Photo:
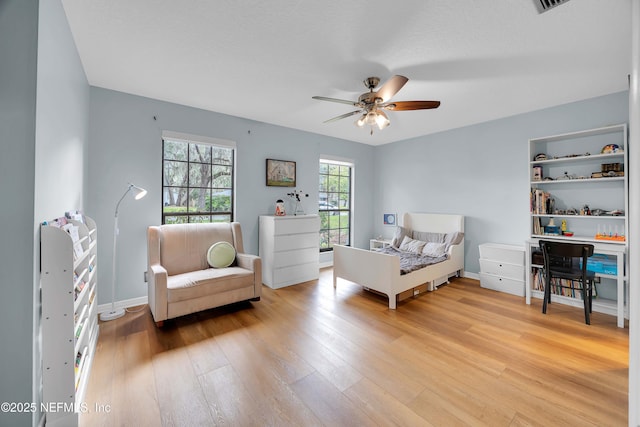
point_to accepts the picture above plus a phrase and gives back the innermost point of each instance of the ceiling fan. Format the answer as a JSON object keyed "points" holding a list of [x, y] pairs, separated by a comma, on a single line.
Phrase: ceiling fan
{"points": [[372, 104]]}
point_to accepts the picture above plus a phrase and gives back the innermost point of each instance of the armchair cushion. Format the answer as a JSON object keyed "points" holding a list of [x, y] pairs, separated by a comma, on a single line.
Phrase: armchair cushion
{"points": [[206, 282]]}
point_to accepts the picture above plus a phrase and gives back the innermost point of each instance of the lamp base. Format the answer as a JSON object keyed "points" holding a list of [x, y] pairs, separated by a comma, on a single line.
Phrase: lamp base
{"points": [[112, 315]]}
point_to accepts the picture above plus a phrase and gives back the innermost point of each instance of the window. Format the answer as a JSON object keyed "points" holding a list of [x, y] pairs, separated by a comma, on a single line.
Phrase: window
{"points": [[334, 204], [197, 180]]}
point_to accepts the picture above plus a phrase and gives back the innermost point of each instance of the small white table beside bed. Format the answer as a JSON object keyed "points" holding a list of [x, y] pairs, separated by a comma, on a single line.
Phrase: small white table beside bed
{"points": [[381, 272]]}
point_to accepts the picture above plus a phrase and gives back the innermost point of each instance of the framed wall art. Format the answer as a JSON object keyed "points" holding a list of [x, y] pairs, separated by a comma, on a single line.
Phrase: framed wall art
{"points": [[390, 219], [281, 173]]}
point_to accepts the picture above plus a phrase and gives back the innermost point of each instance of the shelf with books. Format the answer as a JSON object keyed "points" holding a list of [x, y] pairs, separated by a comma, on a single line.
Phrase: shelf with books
{"points": [[70, 328], [579, 193], [601, 303], [565, 190]]}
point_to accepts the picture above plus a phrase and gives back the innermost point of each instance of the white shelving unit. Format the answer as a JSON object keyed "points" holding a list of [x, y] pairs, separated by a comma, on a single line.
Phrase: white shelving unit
{"points": [[69, 316], [577, 155], [570, 177]]}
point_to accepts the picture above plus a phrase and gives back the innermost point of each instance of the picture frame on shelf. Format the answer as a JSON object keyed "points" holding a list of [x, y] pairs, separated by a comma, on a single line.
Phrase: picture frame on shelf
{"points": [[280, 173]]}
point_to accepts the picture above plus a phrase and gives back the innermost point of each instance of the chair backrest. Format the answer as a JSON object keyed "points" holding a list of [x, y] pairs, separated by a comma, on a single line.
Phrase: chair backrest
{"points": [[181, 248], [563, 256]]}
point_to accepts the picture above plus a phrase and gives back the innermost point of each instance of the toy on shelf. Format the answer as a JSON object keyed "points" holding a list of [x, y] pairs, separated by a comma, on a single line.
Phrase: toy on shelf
{"points": [[610, 235], [615, 237], [552, 228], [564, 230]]}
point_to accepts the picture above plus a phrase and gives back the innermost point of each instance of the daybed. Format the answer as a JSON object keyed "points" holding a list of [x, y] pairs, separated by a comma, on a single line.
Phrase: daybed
{"points": [[380, 272], [180, 278]]}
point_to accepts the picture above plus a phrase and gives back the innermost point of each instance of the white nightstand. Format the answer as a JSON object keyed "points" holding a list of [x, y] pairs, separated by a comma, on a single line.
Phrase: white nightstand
{"points": [[502, 268], [378, 244]]}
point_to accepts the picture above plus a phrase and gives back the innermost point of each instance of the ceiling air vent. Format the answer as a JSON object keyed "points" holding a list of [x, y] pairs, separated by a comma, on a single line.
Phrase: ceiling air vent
{"points": [[545, 5]]}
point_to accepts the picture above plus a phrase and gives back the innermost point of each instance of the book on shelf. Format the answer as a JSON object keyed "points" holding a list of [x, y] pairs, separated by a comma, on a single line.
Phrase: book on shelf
{"points": [[74, 232], [78, 359], [537, 226], [75, 215], [81, 357], [79, 328], [57, 222], [79, 286], [562, 287], [541, 201]]}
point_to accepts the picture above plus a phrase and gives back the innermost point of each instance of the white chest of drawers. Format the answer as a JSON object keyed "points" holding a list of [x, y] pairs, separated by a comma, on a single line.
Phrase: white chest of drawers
{"points": [[289, 248], [502, 268]]}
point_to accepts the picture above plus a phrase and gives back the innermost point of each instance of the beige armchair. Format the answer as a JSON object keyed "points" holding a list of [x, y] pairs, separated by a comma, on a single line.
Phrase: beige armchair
{"points": [[180, 279]]}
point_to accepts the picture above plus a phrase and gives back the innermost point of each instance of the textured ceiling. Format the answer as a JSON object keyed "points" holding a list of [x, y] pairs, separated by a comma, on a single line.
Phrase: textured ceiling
{"points": [[264, 60]]}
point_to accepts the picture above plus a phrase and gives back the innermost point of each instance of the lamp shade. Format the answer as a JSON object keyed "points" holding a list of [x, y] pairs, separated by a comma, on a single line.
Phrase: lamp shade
{"points": [[138, 192]]}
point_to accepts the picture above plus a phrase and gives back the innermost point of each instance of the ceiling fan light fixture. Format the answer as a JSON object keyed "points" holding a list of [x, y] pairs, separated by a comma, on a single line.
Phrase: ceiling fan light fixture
{"points": [[382, 120], [371, 118], [361, 121]]}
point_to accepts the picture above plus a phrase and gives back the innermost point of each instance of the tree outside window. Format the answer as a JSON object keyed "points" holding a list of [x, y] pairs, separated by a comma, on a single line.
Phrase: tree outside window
{"points": [[334, 204], [197, 182]]}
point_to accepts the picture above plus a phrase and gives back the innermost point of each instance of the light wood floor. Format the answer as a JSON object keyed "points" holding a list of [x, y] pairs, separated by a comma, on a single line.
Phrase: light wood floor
{"points": [[306, 355]]}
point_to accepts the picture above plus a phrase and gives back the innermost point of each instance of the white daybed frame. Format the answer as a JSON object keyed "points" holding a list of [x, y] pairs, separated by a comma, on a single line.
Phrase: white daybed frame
{"points": [[381, 272]]}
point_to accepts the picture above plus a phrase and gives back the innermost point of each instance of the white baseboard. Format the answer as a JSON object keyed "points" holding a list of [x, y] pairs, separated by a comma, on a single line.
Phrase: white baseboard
{"points": [[326, 264], [102, 308], [471, 275]]}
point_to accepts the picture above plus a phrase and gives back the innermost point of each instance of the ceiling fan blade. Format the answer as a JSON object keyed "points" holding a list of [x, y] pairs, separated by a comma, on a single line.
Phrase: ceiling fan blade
{"points": [[343, 116], [391, 87], [341, 101], [410, 105]]}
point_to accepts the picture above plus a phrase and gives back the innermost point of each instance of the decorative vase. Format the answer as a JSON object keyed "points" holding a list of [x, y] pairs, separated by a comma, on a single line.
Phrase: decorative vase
{"points": [[280, 208]]}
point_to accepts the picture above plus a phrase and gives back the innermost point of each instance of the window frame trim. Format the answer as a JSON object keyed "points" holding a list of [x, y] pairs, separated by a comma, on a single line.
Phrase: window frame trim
{"points": [[200, 140], [341, 161]]}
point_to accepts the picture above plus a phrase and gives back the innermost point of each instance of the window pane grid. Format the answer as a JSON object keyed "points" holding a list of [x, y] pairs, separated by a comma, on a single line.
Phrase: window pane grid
{"points": [[334, 196], [197, 183]]}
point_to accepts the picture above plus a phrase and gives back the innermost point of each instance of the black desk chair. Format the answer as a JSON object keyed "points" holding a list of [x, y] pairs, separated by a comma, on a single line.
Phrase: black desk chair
{"points": [[562, 261]]}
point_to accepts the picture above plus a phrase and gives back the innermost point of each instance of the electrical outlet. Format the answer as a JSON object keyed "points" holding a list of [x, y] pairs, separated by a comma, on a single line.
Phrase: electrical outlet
{"points": [[145, 277], [416, 292]]}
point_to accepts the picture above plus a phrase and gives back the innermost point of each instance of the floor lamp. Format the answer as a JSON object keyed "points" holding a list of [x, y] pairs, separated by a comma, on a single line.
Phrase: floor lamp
{"points": [[138, 193]]}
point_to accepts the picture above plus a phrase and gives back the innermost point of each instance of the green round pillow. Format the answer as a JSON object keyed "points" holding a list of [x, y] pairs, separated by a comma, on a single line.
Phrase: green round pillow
{"points": [[221, 254]]}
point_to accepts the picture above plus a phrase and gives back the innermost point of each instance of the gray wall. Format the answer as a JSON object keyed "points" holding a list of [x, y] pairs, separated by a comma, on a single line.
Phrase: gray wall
{"points": [[480, 171], [18, 50], [43, 131], [62, 128], [126, 146], [62, 117]]}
